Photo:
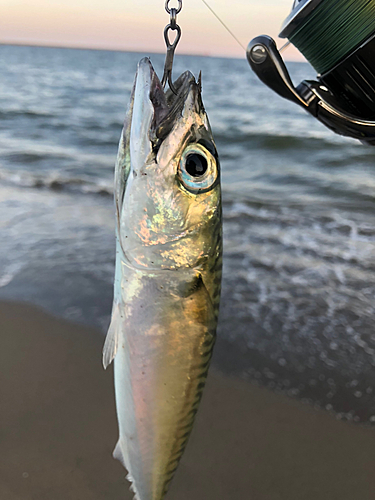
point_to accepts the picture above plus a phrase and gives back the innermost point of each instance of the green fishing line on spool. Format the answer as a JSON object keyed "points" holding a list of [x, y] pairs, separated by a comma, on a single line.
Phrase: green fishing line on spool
{"points": [[333, 30]]}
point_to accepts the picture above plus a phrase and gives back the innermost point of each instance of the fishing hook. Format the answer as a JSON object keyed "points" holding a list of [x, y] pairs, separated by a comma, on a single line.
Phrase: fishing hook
{"points": [[171, 47]]}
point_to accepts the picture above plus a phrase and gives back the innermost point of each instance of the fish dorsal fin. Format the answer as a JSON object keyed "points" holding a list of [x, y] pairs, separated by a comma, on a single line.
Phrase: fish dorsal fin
{"points": [[111, 341]]}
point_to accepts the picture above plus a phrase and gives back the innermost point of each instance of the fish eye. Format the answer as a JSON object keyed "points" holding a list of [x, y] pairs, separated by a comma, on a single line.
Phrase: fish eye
{"points": [[197, 169], [196, 165]]}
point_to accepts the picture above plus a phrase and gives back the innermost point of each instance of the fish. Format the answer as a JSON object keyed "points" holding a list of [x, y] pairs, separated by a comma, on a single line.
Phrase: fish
{"points": [[167, 276]]}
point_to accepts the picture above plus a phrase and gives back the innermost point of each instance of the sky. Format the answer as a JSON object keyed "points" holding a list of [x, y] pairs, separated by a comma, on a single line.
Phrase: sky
{"points": [[138, 25]]}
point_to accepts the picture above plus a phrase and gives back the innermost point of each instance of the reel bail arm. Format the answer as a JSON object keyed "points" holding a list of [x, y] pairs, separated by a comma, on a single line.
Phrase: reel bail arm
{"points": [[267, 63]]}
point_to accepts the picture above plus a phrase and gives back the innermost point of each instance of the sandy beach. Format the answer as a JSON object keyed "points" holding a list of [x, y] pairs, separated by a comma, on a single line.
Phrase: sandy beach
{"points": [[58, 428]]}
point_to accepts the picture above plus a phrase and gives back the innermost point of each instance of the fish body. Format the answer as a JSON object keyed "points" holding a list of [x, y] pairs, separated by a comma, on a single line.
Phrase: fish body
{"points": [[168, 276]]}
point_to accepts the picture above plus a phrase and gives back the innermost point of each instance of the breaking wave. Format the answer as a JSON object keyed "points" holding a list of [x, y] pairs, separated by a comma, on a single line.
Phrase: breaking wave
{"points": [[56, 182]]}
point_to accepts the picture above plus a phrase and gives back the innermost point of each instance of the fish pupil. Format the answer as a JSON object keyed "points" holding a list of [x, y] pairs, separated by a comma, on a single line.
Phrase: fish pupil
{"points": [[196, 165]]}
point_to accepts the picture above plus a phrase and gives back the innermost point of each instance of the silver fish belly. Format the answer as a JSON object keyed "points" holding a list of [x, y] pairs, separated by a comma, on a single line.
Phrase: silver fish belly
{"points": [[168, 276]]}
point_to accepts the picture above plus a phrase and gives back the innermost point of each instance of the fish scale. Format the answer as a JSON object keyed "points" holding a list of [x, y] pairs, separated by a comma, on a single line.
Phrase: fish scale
{"points": [[168, 276]]}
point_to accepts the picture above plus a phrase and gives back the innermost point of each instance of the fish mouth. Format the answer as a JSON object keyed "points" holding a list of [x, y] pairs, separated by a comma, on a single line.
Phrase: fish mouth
{"points": [[167, 105]]}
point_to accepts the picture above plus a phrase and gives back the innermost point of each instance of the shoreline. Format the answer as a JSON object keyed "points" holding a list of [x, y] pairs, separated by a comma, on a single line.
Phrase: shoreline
{"points": [[58, 429]]}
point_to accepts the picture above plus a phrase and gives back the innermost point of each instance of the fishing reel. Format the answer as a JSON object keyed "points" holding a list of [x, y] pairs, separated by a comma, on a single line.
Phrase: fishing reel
{"points": [[338, 39]]}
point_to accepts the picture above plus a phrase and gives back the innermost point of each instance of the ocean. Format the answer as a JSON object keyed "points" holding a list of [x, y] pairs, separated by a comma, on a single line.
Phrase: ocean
{"points": [[298, 298]]}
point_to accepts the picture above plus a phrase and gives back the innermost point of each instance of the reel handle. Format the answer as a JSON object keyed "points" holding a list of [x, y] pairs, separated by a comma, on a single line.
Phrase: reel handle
{"points": [[267, 63]]}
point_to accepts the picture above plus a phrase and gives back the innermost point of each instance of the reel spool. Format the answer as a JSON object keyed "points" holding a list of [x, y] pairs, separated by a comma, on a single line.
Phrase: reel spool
{"points": [[338, 39]]}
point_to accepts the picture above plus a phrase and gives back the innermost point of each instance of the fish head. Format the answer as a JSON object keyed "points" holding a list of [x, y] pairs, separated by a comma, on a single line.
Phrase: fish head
{"points": [[167, 176]]}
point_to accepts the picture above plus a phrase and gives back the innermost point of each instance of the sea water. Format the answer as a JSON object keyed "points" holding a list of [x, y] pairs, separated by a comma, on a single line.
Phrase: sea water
{"points": [[298, 297]]}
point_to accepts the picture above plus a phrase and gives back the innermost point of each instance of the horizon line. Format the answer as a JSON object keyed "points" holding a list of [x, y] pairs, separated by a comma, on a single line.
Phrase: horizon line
{"points": [[103, 49], [133, 51]]}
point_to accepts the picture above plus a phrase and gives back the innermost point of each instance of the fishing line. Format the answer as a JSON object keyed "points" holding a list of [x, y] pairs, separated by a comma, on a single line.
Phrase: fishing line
{"points": [[285, 46], [225, 26], [333, 30], [231, 32]]}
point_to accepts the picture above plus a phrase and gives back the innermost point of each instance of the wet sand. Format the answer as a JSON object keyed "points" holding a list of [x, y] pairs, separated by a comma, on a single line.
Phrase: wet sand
{"points": [[58, 429]]}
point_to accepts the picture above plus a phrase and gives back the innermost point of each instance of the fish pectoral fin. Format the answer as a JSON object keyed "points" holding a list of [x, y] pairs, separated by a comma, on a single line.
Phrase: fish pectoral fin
{"points": [[111, 341], [194, 297]]}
